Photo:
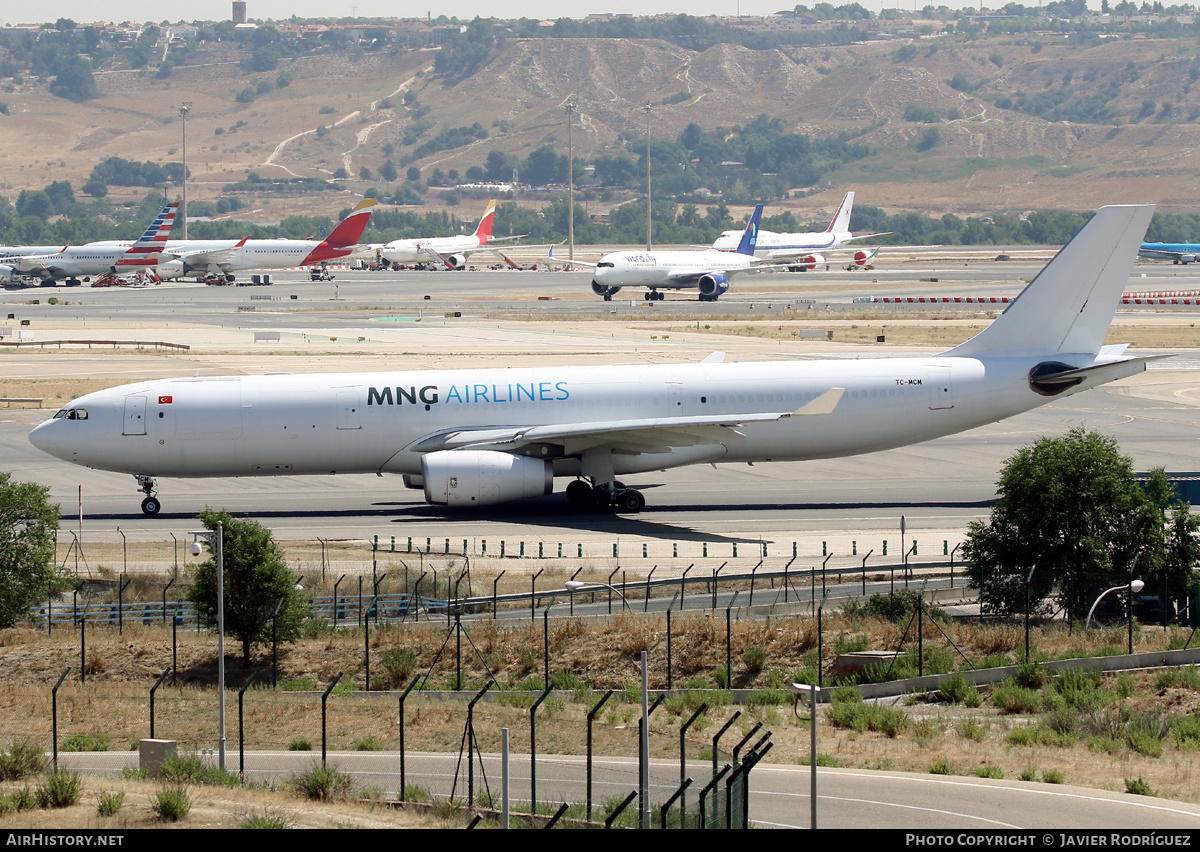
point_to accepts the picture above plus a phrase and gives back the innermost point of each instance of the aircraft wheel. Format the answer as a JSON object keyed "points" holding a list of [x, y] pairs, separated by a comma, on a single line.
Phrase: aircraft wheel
{"points": [[608, 297], [151, 505], [579, 493], [630, 501]]}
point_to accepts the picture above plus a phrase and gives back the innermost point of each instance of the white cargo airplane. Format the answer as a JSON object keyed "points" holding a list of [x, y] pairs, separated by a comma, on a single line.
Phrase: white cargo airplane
{"points": [[224, 257], [454, 252], [76, 262], [807, 250], [707, 270], [479, 437]]}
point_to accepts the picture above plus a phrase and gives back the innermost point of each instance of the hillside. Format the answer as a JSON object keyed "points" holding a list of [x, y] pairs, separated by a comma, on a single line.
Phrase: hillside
{"points": [[985, 159]]}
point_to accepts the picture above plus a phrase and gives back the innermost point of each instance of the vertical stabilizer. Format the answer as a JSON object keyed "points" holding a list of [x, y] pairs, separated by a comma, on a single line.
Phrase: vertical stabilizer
{"points": [[484, 231], [841, 219], [350, 230], [1069, 306], [149, 246], [750, 236]]}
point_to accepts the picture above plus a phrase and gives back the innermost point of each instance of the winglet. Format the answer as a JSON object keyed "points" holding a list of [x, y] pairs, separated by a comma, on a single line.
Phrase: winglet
{"points": [[713, 358], [824, 404]]}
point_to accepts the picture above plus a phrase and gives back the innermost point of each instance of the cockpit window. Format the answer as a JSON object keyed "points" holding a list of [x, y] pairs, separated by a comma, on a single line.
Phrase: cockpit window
{"points": [[606, 265], [71, 414]]}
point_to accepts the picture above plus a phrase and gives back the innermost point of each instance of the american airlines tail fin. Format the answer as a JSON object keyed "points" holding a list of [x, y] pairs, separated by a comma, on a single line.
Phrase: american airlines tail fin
{"points": [[750, 237], [841, 219], [350, 230], [484, 231], [1069, 306], [149, 246]]}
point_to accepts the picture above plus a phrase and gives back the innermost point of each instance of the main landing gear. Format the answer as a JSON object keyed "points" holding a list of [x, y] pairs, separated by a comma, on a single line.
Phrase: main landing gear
{"points": [[614, 496], [654, 296], [150, 505]]}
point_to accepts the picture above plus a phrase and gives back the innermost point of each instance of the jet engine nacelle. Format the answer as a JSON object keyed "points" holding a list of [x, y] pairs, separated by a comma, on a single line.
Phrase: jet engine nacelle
{"points": [[811, 262], [483, 477], [6, 273], [604, 290], [713, 285], [861, 258], [170, 269], [1185, 259], [458, 261]]}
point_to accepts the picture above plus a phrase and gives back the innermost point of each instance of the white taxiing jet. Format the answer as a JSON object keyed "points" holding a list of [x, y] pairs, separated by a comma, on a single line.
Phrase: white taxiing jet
{"points": [[479, 437], [707, 270]]}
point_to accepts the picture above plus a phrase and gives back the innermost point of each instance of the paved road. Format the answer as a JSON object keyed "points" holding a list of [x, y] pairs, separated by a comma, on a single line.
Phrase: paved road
{"points": [[846, 798]]}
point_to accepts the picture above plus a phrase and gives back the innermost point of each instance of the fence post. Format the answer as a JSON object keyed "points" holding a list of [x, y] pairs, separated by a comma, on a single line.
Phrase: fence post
{"points": [[241, 724], [54, 717], [533, 749], [153, 690], [324, 716], [403, 695], [591, 717]]}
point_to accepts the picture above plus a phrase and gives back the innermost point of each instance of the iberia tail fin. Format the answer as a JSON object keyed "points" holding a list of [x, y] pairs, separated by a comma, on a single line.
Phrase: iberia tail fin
{"points": [[350, 230], [484, 231]]}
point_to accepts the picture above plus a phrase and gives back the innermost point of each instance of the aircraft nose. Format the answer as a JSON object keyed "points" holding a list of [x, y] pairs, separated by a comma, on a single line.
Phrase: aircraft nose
{"points": [[49, 438]]}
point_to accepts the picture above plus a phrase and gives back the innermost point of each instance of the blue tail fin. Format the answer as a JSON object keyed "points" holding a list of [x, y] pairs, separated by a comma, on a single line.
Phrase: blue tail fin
{"points": [[750, 237]]}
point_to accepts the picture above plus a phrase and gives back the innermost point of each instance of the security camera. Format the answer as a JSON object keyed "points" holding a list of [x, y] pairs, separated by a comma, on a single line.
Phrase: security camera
{"points": [[196, 548]]}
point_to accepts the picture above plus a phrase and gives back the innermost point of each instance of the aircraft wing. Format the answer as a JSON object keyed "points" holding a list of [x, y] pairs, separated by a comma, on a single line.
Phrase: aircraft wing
{"points": [[644, 435], [691, 276], [42, 265], [205, 257], [550, 254]]}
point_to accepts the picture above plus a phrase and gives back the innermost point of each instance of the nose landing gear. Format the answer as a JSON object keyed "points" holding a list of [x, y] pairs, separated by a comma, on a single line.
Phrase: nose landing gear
{"points": [[151, 504]]}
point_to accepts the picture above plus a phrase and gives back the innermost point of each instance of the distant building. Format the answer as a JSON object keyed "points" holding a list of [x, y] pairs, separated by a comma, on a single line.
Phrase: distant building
{"points": [[239, 11]]}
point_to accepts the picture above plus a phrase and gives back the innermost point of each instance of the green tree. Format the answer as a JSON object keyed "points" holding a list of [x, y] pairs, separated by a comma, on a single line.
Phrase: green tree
{"points": [[28, 521], [1073, 507], [256, 580]]}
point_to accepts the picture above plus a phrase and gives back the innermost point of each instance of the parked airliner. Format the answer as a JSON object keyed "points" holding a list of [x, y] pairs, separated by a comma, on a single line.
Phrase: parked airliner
{"points": [[224, 257], [76, 262], [473, 438], [454, 252], [707, 270], [807, 250]]}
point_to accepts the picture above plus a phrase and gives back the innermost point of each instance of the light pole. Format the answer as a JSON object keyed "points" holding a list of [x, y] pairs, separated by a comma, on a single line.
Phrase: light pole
{"points": [[580, 585], [184, 109], [1134, 587], [648, 108], [216, 539], [570, 108]]}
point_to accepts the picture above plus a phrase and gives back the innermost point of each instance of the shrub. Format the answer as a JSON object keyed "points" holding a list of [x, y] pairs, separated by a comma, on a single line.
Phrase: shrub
{"points": [[399, 664], [87, 742], [1032, 675], [61, 789], [190, 769], [970, 729], [171, 803], [300, 744], [1138, 787], [22, 760], [941, 766], [110, 803], [1183, 678], [958, 690], [754, 659], [1009, 697], [265, 819], [322, 783], [368, 743], [989, 771], [1052, 776], [1187, 732]]}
